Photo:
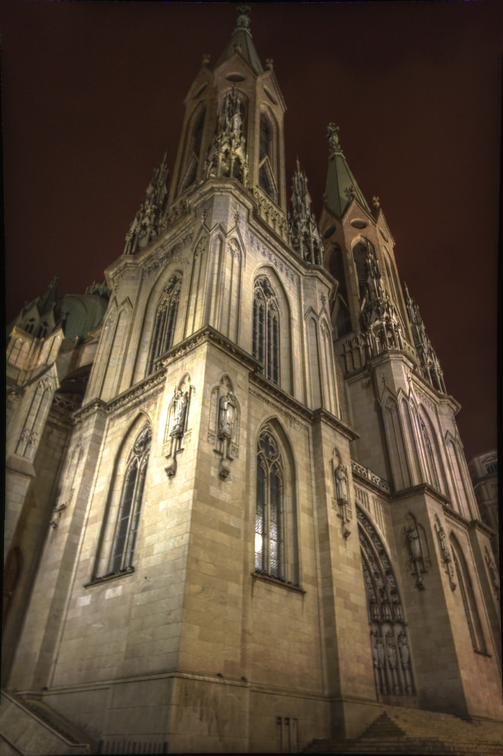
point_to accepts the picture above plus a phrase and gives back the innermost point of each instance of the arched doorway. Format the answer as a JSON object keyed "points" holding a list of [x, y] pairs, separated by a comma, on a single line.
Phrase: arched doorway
{"points": [[388, 631]]}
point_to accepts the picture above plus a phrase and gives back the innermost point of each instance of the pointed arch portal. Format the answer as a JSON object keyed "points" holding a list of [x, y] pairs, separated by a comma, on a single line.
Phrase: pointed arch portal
{"points": [[388, 633]]}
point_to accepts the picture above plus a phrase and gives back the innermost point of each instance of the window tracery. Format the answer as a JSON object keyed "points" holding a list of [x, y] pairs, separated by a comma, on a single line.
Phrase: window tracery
{"points": [[266, 328], [269, 519], [388, 634], [165, 321], [133, 487]]}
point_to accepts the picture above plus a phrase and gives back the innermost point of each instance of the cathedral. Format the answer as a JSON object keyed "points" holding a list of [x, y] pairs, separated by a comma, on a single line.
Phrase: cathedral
{"points": [[238, 513]]}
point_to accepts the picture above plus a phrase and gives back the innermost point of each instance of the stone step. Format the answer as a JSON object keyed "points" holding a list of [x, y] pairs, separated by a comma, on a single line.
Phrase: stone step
{"points": [[405, 746], [31, 728]]}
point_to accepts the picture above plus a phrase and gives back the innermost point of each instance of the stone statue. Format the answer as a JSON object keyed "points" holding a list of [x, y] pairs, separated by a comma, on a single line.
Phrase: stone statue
{"points": [[227, 414], [413, 541], [333, 138], [179, 411], [442, 538], [341, 482], [493, 570], [404, 651], [392, 655]]}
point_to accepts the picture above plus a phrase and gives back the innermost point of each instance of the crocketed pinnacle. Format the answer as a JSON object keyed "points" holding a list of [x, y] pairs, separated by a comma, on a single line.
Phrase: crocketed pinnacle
{"points": [[341, 184], [241, 40], [49, 297]]}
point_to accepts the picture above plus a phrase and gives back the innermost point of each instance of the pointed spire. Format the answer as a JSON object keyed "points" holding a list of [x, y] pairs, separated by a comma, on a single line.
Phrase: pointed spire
{"points": [[147, 223], [241, 42], [341, 186], [306, 239], [49, 297]]}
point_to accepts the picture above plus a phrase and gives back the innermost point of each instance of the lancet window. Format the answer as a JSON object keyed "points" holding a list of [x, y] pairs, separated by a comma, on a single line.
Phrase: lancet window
{"points": [[265, 157], [388, 634], [165, 321], [468, 598], [133, 487], [194, 151], [430, 457], [266, 328], [269, 520]]}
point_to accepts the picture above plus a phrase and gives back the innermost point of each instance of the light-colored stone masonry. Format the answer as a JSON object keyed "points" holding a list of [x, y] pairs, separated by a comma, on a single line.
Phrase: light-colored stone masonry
{"points": [[382, 595]]}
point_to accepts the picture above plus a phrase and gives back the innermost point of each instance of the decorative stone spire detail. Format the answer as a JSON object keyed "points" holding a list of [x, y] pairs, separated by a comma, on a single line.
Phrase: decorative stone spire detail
{"points": [[333, 140], [306, 239], [148, 221], [341, 187], [49, 297], [227, 154], [241, 42], [428, 360], [379, 315]]}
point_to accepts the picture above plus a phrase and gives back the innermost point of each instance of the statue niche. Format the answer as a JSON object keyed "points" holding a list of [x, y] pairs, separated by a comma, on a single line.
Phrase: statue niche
{"points": [[341, 503], [177, 430], [223, 432]]}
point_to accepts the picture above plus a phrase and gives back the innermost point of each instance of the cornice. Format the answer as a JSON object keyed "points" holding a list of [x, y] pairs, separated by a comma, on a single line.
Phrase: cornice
{"points": [[128, 397], [477, 525], [325, 416], [208, 334], [422, 488]]}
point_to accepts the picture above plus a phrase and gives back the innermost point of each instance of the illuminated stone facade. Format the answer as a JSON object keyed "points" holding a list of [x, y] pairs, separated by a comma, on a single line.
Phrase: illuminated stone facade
{"points": [[258, 526]]}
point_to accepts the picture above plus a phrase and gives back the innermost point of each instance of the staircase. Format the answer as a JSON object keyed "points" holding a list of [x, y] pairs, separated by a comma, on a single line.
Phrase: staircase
{"points": [[29, 728], [409, 731]]}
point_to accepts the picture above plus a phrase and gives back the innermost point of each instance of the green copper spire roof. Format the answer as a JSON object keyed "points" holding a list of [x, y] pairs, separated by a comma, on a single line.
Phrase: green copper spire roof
{"points": [[341, 184], [241, 41]]}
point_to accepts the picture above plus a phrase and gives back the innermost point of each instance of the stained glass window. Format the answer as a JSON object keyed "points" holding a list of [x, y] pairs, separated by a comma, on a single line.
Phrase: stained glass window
{"points": [[269, 520], [165, 322], [131, 501], [266, 329]]}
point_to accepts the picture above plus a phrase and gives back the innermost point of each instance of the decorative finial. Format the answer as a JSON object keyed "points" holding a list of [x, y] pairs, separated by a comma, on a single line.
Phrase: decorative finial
{"points": [[333, 139], [376, 203], [206, 59], [269, 64], [243, 20], [352, 191]]}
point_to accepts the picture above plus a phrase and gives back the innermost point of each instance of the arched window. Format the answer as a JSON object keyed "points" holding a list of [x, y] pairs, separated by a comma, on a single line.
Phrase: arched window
{"points": [[269, 520], [266, 328], [266, 174], [30, 325], [133, 486], [430, 457], [42, 331], [468, 597], [193, 156], [165, 321]]}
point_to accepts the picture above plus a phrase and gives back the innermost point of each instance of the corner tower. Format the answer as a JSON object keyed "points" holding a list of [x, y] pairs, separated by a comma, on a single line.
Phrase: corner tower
{"points": [[247, 527]]}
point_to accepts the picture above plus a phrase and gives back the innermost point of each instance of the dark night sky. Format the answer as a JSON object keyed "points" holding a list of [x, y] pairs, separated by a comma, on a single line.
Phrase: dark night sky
{"points": [[92, 97]]}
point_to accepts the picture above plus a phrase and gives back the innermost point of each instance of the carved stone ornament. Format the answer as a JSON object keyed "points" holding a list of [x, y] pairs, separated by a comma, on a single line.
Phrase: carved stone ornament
{"points": [[177, 427], [340, 479], [493, 572], [223, 431], [417, 547], [445, 552]]}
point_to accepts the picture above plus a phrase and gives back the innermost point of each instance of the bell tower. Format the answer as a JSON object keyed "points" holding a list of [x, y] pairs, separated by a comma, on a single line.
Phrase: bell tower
{"points": [[263, 527], [233, 123]]}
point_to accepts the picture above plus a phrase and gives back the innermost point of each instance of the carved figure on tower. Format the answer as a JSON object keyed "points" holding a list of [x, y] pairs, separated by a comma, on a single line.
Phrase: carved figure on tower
{"points": [[428, 360], [306, 239], [226, 415], [148, 221], [227, 154]]}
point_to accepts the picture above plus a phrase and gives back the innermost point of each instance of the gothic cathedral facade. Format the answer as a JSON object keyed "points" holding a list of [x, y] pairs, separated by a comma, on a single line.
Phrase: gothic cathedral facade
{"points": [[259, 516]]}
